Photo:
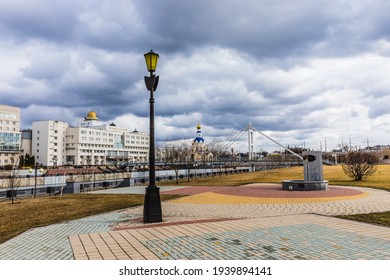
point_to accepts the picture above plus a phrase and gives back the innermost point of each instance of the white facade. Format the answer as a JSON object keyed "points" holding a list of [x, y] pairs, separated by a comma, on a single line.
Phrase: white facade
{"points": [[10, 135], [105, 145], [48, 142], [91, 143]]}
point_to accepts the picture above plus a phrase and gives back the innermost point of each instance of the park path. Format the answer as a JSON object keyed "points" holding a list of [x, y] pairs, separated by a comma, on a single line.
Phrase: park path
{"points": [[244, 223]]}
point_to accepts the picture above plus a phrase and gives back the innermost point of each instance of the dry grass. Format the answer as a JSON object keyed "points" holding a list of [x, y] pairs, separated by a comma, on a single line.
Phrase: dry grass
{"points": [[269, 176], [334, 174], [382, 218], [29, 213], [380, 179]]}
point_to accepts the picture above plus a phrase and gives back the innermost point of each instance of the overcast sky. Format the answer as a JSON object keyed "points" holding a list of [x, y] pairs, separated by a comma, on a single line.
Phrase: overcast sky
{"points": [[304, 72]]}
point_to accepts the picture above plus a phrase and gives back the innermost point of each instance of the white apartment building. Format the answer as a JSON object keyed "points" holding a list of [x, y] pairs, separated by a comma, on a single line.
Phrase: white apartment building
{"points": [[93, 143], [10, 135], [48, 142], [56, 143]]}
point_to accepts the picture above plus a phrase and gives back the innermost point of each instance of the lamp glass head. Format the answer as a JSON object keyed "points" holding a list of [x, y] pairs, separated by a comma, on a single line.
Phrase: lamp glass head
{"points": [[151, 59]]}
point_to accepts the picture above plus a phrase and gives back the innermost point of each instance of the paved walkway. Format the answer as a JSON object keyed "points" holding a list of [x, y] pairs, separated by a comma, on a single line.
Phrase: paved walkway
{"points": [[287, 237], [247, 225]]}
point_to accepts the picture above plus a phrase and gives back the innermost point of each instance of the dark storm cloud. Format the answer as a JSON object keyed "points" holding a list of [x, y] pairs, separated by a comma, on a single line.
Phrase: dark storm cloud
{"points": [[263, 28], [82, 77], [30, 19], [266, 28], [287, 66]]}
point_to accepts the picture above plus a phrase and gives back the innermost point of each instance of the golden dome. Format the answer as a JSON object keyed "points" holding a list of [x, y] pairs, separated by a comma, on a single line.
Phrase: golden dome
{"points": [[198, 127], [91, 116]]}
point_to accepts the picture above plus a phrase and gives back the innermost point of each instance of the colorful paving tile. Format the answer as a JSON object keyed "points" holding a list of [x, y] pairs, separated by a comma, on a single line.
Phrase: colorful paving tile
{"points": [[262, 194], [305, 241]]}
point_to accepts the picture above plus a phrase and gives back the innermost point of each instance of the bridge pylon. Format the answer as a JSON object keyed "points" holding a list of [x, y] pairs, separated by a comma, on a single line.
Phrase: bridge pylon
{"points": [[250, 141]]}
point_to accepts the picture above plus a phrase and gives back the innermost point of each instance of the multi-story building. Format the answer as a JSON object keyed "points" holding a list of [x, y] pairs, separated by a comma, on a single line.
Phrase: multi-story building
{"points": [[26, 142], [48, 142], [10, 135], [93, 143], [56, 143]]}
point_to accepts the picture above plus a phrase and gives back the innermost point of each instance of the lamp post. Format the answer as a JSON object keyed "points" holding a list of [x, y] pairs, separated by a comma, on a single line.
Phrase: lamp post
{"points": [[35, 177], [196, 166], [128, 174], [152, 203]]}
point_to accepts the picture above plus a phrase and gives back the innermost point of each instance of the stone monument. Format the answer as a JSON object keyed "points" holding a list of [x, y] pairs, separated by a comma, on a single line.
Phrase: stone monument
{"points": [[313, 174]]}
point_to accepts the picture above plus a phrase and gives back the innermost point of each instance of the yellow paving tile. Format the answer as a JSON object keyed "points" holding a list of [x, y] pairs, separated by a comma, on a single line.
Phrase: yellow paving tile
{"points": [[216, 198]]}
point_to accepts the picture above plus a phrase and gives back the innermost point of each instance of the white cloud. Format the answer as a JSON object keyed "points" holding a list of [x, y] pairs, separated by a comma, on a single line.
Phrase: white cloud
{"points": [[301, 73]]}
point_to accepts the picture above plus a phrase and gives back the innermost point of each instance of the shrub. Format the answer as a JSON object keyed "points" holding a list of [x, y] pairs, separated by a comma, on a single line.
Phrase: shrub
{"points": [[359, 165]]}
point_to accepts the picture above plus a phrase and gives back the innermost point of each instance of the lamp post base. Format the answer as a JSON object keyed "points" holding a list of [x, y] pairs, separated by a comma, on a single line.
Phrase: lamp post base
{"points": [[152, 206]]}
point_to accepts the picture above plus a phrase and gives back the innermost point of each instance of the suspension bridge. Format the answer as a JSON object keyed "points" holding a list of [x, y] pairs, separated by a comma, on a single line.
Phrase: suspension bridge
{"points": [[224, 143]]}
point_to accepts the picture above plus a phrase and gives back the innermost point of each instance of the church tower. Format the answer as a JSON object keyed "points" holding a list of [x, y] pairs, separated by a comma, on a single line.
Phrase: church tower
{"points": [[199, 151], [199, 137]]}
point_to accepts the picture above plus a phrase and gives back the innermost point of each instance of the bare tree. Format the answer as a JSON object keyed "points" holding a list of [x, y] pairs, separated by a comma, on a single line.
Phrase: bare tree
{"points": [[217, 152], [14, 179], [359, 165], [176, 155]]}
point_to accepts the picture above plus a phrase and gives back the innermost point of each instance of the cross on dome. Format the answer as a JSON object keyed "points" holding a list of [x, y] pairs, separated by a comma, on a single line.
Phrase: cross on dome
{"points": [[199, 137]]}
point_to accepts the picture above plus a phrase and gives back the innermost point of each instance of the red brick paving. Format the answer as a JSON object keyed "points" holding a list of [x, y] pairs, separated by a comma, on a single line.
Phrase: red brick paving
{"points": [[266, 191]]}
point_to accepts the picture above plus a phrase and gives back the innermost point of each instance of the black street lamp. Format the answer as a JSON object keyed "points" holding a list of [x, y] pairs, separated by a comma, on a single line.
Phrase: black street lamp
{"points": [[152, 203], [35, 177]]}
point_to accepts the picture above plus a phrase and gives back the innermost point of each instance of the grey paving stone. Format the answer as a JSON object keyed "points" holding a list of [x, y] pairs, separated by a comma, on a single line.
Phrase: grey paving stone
{"points": [[52, 242]]}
